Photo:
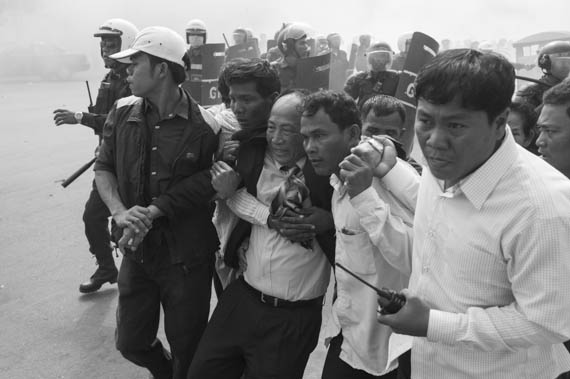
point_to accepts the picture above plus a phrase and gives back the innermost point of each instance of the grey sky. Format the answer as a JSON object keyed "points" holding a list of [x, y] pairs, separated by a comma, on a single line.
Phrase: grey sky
{"points": [[71, 22]]}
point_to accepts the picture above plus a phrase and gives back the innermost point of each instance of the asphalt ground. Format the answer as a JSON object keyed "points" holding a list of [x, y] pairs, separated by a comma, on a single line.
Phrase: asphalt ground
{"points": [[47, 328]]}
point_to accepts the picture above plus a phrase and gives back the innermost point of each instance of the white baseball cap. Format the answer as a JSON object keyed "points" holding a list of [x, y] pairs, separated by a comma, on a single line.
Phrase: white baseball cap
{"points": [[159, 41]]}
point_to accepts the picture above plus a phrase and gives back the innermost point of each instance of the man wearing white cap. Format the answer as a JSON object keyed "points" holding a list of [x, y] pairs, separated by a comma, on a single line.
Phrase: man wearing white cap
{"points": [[153, 175]]}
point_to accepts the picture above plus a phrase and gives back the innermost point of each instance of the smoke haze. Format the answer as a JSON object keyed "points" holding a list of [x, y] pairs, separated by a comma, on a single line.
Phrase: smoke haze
{"points": [[71, 23]]}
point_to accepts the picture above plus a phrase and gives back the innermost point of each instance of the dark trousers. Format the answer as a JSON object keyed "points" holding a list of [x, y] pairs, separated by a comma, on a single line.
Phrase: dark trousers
{"points": [[185, 297], [246, 336], [96, 219], [336, 368]]}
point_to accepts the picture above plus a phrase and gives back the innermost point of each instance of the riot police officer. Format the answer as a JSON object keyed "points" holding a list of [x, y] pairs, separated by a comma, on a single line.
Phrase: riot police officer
{"points": [[245, 45], [116, 35], [339, 62], [196, 38], [378, 80], [404, 46], [554, 60], [292, 42]]}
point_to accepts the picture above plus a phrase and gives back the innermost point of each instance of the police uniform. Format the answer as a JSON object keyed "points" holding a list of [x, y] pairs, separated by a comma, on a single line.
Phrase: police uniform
{"points": [[532, 94], [363, 85], [96, 214], [195, 70], [287, 73]]}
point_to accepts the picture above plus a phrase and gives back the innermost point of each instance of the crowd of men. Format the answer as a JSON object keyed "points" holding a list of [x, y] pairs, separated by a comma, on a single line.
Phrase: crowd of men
{"points": [[277, 189]]}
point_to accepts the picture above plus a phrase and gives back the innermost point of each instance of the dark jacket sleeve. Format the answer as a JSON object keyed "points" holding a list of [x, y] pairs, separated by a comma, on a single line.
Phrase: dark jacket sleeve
{"points": [[351, 86], [106, 158], [193, 191], [94, 121]]}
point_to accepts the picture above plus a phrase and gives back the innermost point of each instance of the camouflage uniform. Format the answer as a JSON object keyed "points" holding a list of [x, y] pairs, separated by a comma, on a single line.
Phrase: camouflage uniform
{"points": [[363, 85]]}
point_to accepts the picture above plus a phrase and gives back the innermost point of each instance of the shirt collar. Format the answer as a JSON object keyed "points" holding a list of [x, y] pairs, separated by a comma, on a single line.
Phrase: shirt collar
{"points": [[338, 185], [300, 163], [181, 109], [480, 184]]}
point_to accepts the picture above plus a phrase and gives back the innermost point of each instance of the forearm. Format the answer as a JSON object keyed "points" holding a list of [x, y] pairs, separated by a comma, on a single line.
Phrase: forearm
{"points": [[403, 182], [248, 207], [490, 329], [193, 192], [108, 189], [391, 234], [94, 121]]}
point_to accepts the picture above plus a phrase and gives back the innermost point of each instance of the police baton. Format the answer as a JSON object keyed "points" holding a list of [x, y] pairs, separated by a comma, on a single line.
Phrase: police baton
{"points": [[225, 39], [533, 80], [78, 173], [90, 107]]}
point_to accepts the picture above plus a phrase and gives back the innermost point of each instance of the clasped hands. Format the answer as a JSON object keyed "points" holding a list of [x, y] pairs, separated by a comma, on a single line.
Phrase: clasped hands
{"points": [[135, 223], [373, 157], [297, 226]]}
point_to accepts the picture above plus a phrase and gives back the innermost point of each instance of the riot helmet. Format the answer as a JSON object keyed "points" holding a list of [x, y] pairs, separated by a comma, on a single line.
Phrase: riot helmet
{"points": [[196, 33], [404, 42], [379, 56], [240, 36], [292, 40], [364, 40], [116, 35], [334, 40], [554, 59]]}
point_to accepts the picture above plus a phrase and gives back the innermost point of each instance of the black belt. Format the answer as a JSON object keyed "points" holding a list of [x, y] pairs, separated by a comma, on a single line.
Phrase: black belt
{"points": [[280, 303]]}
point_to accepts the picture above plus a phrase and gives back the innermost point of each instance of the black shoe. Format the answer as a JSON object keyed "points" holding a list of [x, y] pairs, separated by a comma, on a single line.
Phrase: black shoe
{"points": [[101, 276]]}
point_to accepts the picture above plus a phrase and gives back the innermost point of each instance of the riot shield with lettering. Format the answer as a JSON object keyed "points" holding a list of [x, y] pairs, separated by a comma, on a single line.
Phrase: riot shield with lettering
{"points": [[422, 49], [203, 76], [213, 56], [313, 72]]}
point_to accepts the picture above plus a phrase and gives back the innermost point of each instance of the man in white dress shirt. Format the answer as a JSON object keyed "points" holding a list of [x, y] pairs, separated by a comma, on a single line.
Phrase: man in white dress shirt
{"points": [[373, 221], [488, 294]]}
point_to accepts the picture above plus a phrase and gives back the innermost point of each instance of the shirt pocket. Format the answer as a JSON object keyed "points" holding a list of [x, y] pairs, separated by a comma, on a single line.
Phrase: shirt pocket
{"points": [[356, 252], [188, 161]]}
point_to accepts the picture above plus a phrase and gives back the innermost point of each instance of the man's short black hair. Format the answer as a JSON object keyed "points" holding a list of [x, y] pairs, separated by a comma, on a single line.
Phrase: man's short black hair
{"points": [[528, 115], [383, 105], [259, 71], [177, 72], [339, 106], [559, 95], [483, 81]]}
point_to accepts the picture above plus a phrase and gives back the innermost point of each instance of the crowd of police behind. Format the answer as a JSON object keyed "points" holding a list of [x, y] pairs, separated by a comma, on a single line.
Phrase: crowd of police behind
{"points": [[453, 265]]}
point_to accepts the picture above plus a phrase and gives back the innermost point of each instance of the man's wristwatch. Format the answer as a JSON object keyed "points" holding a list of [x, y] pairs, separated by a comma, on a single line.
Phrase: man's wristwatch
{"points": [[78, 116]]}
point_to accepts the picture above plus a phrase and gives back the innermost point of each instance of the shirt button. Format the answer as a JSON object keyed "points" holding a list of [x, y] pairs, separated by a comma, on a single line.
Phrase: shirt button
{"points": [[425, 269], [153, 173], [154, 148], [157, 127], [154, 198]]}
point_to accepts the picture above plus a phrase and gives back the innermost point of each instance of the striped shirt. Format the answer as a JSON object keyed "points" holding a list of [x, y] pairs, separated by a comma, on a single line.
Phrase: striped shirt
{"points": [[492, 260], [275, 265]]}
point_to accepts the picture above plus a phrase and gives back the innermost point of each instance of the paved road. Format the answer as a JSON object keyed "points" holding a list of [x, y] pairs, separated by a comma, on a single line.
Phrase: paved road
{"points": [[47, 328]]}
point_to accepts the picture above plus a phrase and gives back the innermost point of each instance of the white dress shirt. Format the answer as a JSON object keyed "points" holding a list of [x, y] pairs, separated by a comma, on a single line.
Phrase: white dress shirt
{"points": [[275, 265], [492, 260], [374, 240]]}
